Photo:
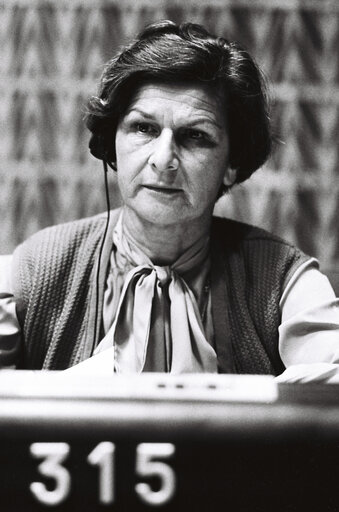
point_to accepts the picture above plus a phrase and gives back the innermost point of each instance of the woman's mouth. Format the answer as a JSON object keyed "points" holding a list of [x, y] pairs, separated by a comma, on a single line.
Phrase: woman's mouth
{"points": [[162, 189]]}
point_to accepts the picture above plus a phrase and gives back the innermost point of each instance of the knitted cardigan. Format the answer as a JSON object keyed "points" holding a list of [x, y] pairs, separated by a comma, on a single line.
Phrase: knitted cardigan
{"points": [[60, 299]]}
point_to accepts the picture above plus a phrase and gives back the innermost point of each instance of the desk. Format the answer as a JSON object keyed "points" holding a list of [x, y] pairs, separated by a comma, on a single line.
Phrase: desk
{"points": [[194, 443]]}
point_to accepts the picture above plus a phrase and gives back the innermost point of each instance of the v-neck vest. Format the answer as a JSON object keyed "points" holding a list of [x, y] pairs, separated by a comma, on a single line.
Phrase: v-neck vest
{"points": [[60, 299]]}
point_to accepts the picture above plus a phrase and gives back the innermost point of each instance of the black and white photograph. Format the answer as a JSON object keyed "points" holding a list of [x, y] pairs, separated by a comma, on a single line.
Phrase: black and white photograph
{"points": [[169, 255]]}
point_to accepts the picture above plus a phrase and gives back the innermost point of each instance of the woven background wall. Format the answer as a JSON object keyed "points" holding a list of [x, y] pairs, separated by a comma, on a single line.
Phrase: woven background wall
{"points": [[51, 53]]}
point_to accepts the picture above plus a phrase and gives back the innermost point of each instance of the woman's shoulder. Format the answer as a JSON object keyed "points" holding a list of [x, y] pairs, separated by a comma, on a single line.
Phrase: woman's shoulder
{"points": [[68, 233], [234, 232], [70, 228], [258, 249], [57, 251], [53, 245]]}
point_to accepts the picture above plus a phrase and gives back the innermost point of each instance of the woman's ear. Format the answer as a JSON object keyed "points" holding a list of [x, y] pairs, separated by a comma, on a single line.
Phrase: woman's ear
{"points": [[229, 177]]}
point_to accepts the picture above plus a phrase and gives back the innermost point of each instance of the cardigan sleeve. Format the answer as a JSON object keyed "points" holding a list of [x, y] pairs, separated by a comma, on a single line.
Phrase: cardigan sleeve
{"points": [[10, 332]]}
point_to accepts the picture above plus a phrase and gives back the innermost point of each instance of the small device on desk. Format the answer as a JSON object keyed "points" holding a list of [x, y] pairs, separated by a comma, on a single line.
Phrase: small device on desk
{"points": [[156, 441]]}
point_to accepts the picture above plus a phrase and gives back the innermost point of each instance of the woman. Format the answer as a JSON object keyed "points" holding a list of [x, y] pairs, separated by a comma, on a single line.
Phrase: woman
{"points": [[181, 116]]}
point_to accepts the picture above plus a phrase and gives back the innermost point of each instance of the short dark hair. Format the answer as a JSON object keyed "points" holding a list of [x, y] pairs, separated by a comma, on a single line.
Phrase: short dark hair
{"points": [[165, 51]]}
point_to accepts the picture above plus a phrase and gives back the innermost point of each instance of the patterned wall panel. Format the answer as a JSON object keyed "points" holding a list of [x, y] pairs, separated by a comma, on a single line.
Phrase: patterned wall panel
{"points": [[51, 54]]}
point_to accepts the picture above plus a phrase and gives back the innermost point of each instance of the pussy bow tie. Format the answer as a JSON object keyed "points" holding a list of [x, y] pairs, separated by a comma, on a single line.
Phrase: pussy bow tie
{"points": [[157, 326]]}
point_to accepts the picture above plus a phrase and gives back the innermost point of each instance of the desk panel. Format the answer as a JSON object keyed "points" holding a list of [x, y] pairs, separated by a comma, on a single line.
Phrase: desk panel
{"points": [[169, 443]]}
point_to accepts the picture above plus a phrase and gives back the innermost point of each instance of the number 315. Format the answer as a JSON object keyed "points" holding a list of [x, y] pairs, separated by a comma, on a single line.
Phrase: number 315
{"points": [[147, 465]]}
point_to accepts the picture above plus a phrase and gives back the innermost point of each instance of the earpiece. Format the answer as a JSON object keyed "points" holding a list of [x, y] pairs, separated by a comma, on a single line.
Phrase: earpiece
{"points": [[98, 150], [97, 146]]}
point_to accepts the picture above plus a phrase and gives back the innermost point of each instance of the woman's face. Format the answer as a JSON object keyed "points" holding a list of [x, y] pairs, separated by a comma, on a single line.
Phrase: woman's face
{"points": [[172, 152]]}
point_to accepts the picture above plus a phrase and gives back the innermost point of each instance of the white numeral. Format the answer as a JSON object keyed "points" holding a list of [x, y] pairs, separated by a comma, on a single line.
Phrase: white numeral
{"points": [[103, 456], [146, 466], [54, 454]]}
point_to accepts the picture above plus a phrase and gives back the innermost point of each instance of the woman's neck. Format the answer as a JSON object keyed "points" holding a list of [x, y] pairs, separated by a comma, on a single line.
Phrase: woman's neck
{"points": [[163, 244]]}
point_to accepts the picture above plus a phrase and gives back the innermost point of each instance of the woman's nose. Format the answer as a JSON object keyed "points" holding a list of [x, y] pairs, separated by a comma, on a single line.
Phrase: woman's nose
{"points": [[163, 156]]}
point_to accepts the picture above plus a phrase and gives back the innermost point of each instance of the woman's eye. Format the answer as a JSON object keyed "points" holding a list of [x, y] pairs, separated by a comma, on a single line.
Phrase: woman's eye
{"points": [[195, 134], [145, 128]]}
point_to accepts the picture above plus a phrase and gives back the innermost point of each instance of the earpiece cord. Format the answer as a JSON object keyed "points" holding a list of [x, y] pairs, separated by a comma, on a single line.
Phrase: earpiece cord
{"points": [[108, 206]]}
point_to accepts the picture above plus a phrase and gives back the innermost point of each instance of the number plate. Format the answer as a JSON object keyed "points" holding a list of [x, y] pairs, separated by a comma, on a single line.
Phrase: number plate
{"points": [[137, 476], [172, 447]]}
